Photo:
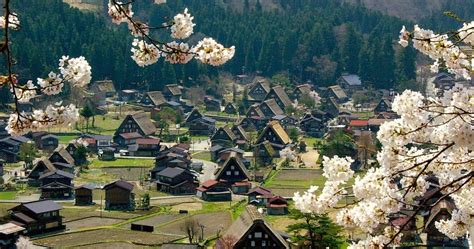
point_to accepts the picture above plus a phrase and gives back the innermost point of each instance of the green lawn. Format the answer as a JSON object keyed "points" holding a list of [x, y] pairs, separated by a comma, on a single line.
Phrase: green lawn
{"points": [[7, 195], [123, 162], [311, 140], [65, 139], [202, 155]]}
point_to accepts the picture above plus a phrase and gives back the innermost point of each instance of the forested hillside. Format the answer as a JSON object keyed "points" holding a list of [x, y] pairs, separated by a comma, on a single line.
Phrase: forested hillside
{"points": [[309, 40]]}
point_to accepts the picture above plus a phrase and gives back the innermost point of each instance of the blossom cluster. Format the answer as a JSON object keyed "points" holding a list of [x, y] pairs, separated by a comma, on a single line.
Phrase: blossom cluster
{"points": [[14, 22], [146, 51], [54, 115], [431, 139], [76, 71], [442, 48]]}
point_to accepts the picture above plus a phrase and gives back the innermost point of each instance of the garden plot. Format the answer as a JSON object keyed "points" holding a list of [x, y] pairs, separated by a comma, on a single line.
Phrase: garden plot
{"points": [[91, 222], [288, 181], [213, 223]]}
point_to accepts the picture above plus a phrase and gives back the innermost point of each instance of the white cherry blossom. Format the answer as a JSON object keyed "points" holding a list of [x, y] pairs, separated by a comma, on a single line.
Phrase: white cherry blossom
{"points": [[208, 51], [183, 25], [144, 54]]}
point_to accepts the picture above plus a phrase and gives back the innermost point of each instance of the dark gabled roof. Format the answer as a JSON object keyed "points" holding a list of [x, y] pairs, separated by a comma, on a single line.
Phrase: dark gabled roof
{"points": [[86, 186], [156, 97], [352, 79], [55, 185], [171, 172], [144, 122], [46, 162], [49, 136], [64, 154], [64, 165], [263, 84], [338, 92], [57, 172], [276, 127], [121, 184], [191, 115], [257, 109], [273, 106], [240, 130], [174, 89], [226, 130], [42, 206], [246, 221], [233, 157], [21, 139], [280, 92], [216, 147], [387, 102], [23, 217]]}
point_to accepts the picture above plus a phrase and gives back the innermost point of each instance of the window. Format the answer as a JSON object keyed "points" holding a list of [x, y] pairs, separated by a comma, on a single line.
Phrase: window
{"points": [[264, 243], [236, 173], [229, 173], [252, 243], [258, 235], [232, 167], [250, 236], [266, 236]]}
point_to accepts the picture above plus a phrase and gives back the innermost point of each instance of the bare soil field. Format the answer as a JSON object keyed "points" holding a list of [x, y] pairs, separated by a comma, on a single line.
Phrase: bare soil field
{"points": [[112, 245], [91, 222], [104, 235], [213, 222], [157, 220]]}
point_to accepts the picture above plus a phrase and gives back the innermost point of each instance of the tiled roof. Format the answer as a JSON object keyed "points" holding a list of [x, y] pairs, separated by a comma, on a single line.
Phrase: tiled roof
{"points": [[352, 79], [121, 184], [358, 122], [42, 206]]}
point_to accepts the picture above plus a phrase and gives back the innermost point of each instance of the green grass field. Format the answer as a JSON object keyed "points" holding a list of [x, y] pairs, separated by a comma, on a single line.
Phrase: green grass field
{"points": [[65, 139], [202, 155], [7, 195], [123, 162]]}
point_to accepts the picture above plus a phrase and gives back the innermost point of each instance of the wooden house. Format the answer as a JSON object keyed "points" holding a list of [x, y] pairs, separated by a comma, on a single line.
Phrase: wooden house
{"points": [[252, 231], [242, 138], [350, 83], [301, 90], [265, 152], [384, 105], [97, 142], [230, 108], [281, 97], [337, 93], [204, 126], [277, 206], [38, 217], [138, 122], [3, 131], [44, 141], [145, 147], [275, 134], [125, 139], [233, 173], [56, 184], [101, 90], [118, 195], [176, 181], [171, 157], [173, 92], [287, 122], [211, 104], [9, 234], [128, 95], [84, 195], [254, 111], [258, 91], [106, 154], [153, 99], [212, 190], [270, 108], [259, 196], [332, 107], [444, 81], [253, 123], [41, 166], [223, 136], [193, 115], [10, 148], [375, 123], [60, 155], [312, 126], [357, 124]]}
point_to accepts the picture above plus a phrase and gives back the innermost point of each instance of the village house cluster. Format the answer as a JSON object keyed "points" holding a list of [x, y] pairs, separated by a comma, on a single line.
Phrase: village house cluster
{"points": [[243, 145]]}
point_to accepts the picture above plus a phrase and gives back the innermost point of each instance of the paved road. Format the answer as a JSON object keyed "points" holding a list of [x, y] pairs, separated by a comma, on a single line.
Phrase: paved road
{"points": [[208, 170]]}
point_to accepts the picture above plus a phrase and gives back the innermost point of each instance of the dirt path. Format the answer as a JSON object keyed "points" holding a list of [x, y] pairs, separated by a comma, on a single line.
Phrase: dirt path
{"points": [[310, 158]]}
